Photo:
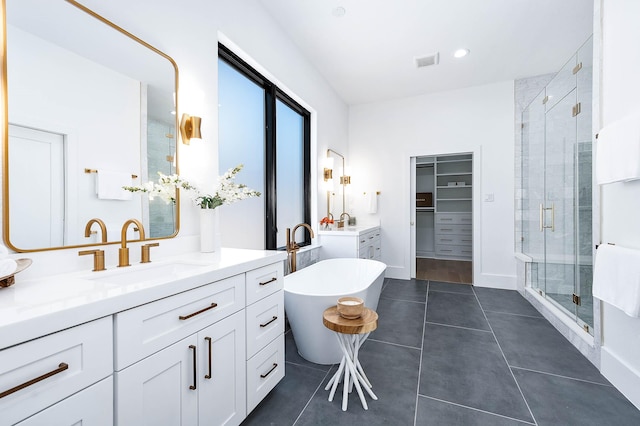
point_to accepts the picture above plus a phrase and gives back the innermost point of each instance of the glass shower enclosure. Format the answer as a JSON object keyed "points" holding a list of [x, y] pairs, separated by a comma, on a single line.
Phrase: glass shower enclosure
{"points": [[556, 189]]}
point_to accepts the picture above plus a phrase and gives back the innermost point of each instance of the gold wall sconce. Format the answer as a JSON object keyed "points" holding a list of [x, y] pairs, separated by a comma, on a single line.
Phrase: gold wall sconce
{"points": [[190, 128]]}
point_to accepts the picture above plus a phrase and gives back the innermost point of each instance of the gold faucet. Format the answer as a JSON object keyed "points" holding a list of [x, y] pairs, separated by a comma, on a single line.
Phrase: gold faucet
{"points": [[103, 228], [341, 221], [292, 246], [123, 252]]}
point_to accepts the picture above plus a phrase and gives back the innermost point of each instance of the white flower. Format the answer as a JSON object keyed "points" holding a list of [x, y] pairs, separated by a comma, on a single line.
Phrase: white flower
{"points": [[226, 192]]}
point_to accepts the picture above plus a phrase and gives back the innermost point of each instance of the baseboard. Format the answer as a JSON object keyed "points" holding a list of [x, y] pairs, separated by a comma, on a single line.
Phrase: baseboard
{"points": [[504, 282], [622, 376], [397, 272]]}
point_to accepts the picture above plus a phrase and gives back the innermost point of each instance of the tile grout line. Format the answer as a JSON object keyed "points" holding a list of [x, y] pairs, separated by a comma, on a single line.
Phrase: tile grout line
{"points": [[515, 315], [505, 359], [424, 322], [457, 326], [561, 376], [476, 409], [311, 397], [393, 344]]}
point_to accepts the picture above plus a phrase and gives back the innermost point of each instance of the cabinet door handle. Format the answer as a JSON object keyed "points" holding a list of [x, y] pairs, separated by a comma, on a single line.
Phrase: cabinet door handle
{"points": [[186, 317], [195, 373], [446, 239], [61, 367], [269, 322], [362, 241], [447, 229], [208, 376], [262, 376], [446, 218], [268, 282]]}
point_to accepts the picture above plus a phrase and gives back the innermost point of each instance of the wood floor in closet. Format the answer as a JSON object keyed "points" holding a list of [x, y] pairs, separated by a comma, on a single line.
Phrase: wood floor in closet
{"points": [[452, 271]]}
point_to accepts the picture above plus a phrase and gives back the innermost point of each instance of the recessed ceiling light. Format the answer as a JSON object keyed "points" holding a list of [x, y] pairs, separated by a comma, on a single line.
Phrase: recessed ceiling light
{"points": [[339, 11], [461, 53]]}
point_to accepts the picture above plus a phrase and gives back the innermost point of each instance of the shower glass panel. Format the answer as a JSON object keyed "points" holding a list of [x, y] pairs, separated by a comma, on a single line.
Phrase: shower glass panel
{"points": [[556, 189]]}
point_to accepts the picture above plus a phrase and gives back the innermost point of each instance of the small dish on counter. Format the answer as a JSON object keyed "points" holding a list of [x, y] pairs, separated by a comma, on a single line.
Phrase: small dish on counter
{"points": [[9, 280], [350, 307]]}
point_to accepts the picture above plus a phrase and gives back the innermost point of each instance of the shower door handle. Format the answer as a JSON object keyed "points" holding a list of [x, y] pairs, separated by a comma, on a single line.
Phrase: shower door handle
{"points": [[543, 225]]}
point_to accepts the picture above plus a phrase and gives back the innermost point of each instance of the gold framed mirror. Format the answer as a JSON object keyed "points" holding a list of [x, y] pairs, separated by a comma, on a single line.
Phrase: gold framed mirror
{"points": [[86, 106]]}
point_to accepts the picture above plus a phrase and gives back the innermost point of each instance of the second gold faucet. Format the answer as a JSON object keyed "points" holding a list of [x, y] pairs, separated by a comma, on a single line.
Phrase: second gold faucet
{"points": [[123, 252]]}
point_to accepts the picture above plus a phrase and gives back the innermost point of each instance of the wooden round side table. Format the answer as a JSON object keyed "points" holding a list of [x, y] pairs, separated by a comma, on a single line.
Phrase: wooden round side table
{"points": [[351, 334]]}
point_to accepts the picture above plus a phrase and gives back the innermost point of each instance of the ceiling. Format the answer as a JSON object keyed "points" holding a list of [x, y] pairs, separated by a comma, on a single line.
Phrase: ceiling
{"points": [[368, 54]]}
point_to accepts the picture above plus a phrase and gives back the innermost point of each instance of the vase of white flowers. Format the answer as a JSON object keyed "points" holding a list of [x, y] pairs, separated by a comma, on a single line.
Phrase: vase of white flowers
{"points": [[227, 191]]}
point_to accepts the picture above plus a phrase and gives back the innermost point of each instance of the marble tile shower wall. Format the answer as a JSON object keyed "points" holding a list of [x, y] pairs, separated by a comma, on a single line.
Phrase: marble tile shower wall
{"points": [[303, 259], [161, 149]]}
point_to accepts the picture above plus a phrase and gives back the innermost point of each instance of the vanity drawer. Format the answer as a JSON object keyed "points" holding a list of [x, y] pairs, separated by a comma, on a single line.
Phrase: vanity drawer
{"points": [[453, 218], [264, 281], [369, 237], [448, 229], [265, 322], [92, 406], [264, 371], [54, 367], [146, 329]]}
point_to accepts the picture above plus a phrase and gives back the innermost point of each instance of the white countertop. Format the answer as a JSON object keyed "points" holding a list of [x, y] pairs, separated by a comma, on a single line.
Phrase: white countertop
{"points": [[348, 230], [36, 307]]}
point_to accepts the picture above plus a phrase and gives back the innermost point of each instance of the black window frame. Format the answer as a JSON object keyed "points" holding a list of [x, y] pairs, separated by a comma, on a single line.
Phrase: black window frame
{"points": [[271, 94]]}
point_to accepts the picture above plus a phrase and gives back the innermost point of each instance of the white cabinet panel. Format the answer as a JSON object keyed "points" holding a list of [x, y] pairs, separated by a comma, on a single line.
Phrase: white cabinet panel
{"points": [[264, 371], [148, 328], [265, 322], [64, 362], [90, 407]]}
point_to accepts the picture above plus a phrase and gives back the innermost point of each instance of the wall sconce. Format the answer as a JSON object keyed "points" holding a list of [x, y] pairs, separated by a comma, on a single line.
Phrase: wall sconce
{"points": [[190, 128]]}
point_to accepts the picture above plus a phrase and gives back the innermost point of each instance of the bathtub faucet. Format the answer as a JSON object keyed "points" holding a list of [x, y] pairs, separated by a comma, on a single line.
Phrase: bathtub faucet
{"points": [[292, 246]]}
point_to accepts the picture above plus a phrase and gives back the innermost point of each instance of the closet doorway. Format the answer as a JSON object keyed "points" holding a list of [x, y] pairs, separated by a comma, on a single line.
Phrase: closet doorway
{"points": [[442, 199]]}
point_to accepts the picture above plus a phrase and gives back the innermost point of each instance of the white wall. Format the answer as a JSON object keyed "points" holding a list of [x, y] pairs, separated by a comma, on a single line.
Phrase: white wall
{"points": [[620, 202], [191, 40], [382, 138]]}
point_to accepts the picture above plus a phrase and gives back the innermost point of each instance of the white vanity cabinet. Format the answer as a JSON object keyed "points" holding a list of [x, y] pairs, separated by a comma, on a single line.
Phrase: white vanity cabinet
{"points": [[57, 371], [361, 242], [188, 358], [197, 380], [265, 331], [201, 348]]}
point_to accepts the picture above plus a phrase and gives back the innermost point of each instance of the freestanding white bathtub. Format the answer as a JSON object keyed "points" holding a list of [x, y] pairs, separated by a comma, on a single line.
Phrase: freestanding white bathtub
{"points": [[308, 292]]}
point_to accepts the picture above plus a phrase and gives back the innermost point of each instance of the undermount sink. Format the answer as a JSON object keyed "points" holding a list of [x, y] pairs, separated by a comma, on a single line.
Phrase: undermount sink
{"points": [[145, 273]]}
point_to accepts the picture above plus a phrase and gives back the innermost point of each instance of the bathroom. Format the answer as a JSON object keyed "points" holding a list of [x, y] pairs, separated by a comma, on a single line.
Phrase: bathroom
{"points": [[363, 131]]}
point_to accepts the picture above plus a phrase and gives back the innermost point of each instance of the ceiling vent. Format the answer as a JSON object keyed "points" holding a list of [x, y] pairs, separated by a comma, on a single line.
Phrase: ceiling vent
{"points": [[425, 61]]}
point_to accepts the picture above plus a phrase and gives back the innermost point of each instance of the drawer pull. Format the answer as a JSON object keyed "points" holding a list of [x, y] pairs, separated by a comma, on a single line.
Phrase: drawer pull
{"points": [[195, 373], [446, 218], [445, 239], [371, 237], [186, 317], [61, 367], [363, 241], [262, 376], [447, 229], [269, 322], [208, 376], [448, 251], [269, 282]]}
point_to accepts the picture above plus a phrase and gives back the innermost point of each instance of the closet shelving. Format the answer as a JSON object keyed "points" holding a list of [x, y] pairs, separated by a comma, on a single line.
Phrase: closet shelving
{"points": [[444, 230]]}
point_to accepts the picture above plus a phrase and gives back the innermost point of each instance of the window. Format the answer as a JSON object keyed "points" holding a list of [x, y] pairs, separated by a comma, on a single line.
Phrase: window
{"points": [[267, 131]]}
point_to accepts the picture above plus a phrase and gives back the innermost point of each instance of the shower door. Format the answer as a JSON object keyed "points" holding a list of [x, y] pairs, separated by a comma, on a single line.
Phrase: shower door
{"points": [[557, 209], [556, 189]]}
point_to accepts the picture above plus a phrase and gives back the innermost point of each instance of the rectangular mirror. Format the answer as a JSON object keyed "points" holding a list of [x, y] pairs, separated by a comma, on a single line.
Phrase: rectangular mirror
{"points": [[87, 105]]}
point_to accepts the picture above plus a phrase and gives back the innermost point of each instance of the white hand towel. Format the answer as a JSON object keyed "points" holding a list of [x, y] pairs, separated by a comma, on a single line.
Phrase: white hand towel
{"points": [[7, 267], [616, 278], [109, 185], [618, 151], [371, 202]]}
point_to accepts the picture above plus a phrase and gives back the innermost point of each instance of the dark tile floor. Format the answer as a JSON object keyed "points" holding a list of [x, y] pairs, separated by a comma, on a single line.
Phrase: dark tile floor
{"points": [[453, 354]]}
